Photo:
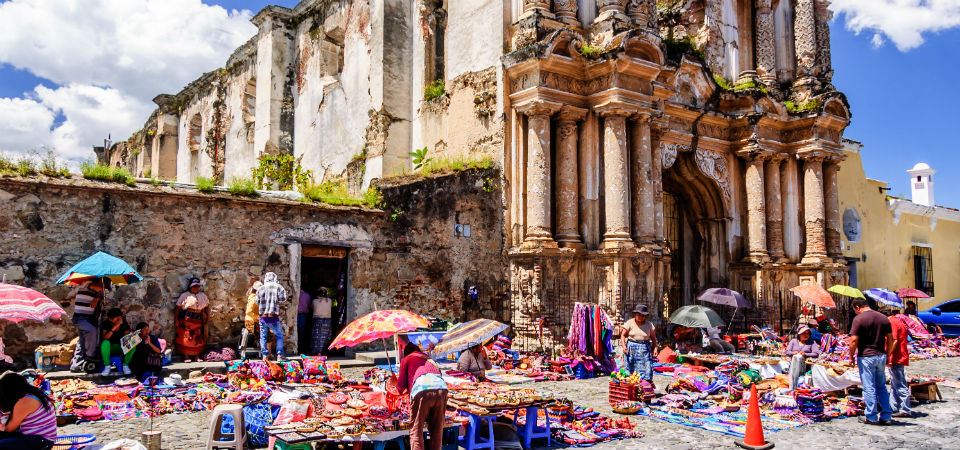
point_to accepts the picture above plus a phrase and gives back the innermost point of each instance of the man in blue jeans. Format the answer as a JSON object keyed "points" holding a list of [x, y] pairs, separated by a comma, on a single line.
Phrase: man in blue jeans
{"points": [[269, 298], [870, 342]]}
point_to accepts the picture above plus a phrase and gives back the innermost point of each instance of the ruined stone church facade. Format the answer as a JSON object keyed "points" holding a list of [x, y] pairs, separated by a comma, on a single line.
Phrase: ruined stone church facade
{"points": [[646, 147]]}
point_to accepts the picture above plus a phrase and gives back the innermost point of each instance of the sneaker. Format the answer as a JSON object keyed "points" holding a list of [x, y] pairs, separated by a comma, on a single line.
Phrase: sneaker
{"points": [[126, 370], [863, 420], [106, 371]]}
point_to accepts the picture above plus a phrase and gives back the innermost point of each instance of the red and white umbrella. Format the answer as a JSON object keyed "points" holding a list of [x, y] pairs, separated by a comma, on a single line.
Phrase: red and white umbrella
{"points": [[18, 303]]}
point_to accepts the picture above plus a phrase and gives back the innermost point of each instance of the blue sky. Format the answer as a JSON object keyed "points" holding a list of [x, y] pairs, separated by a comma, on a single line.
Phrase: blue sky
{"points": [[69, 91]]}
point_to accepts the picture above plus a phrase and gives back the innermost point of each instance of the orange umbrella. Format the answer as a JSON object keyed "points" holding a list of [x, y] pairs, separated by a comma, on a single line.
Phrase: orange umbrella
{"points": [[378, 325], [814, 294]]}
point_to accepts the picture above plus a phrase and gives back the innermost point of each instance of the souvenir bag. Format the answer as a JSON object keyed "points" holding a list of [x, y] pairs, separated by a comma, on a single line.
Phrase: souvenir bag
{"points": [[314, 366], [292, 371], [90, 414], [260, 370], [255, 418]]}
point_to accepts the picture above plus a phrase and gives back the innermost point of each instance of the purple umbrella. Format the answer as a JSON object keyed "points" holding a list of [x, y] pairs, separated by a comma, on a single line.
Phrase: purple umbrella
{"points": [[885, 296], [724, 297]]}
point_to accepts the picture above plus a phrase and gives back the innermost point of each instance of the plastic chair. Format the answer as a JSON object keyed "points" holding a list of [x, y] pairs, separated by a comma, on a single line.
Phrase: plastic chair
{"points": [[216, 439], [380, 445], [531, 429], [472, 441]]}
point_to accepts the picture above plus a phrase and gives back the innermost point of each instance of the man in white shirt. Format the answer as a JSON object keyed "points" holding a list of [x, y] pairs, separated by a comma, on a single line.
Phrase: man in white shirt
{"points": [[716, 342]]}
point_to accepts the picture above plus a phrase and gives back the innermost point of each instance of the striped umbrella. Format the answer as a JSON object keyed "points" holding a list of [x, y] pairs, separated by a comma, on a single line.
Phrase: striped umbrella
{"points": [[18, 303], [467, 335], [885, 296]]}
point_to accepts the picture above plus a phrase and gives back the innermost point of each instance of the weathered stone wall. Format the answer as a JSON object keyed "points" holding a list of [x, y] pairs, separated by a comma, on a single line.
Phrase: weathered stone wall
{"points": [[405, 257]]}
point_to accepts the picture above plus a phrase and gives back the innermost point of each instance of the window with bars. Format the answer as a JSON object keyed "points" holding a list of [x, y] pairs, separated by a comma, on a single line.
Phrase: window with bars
{"points": [[923, 269], [671, 221]]}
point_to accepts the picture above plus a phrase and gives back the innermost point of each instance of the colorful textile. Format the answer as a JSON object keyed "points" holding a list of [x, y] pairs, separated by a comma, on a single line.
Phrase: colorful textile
{"points": [[191, 338], [320, 335], [730, 423], [914, 325], [378, 325], [639, 359], [18, 303]]}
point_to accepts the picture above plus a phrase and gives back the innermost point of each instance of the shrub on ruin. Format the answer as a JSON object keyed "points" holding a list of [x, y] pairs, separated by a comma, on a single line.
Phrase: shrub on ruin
{"points": [[436, 89], [50, 167], [101, 172], [283, 171], [244, 187], [205, 184]]}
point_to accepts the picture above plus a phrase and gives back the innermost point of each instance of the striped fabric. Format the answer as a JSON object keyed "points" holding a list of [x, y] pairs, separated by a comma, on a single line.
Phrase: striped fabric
{"points": [[41, 422], [18, 303], [467, 335]]}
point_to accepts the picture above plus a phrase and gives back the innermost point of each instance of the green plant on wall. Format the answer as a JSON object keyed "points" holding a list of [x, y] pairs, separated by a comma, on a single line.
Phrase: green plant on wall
{"points": [[434, 90], [722, 82], [283, 170], [205, 184], [419, 158], [589, 51], [802, 107]]}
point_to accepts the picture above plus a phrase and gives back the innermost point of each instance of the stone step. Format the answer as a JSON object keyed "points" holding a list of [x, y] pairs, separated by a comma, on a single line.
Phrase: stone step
{"points": [[374, 358]]}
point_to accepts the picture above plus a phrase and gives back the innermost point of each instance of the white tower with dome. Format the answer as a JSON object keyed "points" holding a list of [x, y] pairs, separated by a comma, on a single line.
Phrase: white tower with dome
{"points": [[921, 184]]}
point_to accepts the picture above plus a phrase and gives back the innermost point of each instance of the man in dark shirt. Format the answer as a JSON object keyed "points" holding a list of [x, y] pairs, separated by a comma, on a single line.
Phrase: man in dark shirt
{"points": [[870, 343]]}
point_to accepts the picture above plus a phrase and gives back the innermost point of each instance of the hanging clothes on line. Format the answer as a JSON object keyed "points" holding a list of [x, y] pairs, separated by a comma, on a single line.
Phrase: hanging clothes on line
{"points": [[591, 334]]}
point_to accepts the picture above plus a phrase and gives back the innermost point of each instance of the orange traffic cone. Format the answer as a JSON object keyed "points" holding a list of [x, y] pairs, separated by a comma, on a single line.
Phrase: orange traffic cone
{"points": [[753, 438]]}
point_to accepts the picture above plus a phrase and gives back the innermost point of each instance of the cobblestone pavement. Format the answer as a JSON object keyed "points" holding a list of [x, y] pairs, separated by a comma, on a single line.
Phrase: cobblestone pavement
{"points": [[936, 428]]}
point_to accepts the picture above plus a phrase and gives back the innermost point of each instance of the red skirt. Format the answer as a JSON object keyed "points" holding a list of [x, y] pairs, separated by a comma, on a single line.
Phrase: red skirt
{"points": [[191, 338]]}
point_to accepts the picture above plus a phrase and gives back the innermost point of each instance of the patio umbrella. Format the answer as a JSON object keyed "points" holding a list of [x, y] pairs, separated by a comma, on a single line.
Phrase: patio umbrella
{"points": [[467, 335], [846, 291], [724, 297], [911, 293], [815, 294], [885, 296], [18, 303], [379, 324], [98, 266], [696, 316]]}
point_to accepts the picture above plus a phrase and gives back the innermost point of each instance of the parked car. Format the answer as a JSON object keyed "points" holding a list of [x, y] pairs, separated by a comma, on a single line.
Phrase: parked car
{"points": [[946, 314]]}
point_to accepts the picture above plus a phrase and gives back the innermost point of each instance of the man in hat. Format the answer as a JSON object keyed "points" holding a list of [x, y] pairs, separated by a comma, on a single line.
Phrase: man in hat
{"points": [[638, 338]]}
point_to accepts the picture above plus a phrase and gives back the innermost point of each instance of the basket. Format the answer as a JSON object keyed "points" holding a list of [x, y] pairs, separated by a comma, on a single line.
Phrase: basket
{"points": [[558, 413], [73, 441], [627, 411], [622, 392]]}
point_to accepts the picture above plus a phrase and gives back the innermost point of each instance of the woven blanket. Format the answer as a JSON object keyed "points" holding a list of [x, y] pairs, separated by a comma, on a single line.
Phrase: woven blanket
{"points": [[731, 423]]}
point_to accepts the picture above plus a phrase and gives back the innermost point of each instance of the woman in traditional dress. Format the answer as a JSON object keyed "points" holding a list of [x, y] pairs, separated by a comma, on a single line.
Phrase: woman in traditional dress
{"points": [[321, 331], [638, 338], [147, 355], [193, 311]]}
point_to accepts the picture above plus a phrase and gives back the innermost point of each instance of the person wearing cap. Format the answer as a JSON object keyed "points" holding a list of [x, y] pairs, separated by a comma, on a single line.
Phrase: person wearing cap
{"points": [[193, 311], [251, 316], [798, 350], [638, 338]]}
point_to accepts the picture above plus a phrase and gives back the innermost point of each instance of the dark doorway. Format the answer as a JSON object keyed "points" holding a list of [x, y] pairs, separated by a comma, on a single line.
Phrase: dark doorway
{"points": [[326, 266]]}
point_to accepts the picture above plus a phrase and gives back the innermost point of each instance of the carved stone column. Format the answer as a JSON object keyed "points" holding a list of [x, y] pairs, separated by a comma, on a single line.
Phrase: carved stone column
{"points": [[765, 46], [566, 11], [642, 12], [538, 173], [641, 174], [568, 209], [614, 6], [823, 17], [529, 6], [756, 210], [831, 200], [616, 179], [813, 214], [656, 182], [805, 38], [774, 208]]}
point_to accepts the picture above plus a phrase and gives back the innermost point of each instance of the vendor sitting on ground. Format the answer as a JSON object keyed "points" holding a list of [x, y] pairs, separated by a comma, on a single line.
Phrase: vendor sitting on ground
{"points": [[474, 361], [686, 339], [814, 331], [147, 355], [798, 350], [112, 330], [717, 344]]}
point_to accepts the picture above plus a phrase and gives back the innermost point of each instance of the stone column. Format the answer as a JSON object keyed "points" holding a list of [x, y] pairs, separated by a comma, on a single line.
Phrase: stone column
{"points": [[529, 6], [656, 182], [824, 63], [641, 175], [566, 11], [805, 38], [831, 200], [642, 12], [614, 6], [774, 208], [568, 209], [765, 45], [756, 211], [538, 173], [616, 179], [813, 214]]}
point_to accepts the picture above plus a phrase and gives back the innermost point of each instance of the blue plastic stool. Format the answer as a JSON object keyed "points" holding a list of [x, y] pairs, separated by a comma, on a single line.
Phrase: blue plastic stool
{"points": [[117, 362], [380, 445], [531, 429], [472, 441]]}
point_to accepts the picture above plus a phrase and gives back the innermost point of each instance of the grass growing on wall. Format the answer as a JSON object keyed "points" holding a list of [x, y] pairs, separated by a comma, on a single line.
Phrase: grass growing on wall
{"points": [[92, 171], [457, 163], [336, 193], [205, 184], [434, 90], [243, 187]]}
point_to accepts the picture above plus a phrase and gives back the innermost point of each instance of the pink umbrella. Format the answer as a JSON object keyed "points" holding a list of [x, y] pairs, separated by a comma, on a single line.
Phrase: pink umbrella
{"points": [[18, 303], [911, 293]]}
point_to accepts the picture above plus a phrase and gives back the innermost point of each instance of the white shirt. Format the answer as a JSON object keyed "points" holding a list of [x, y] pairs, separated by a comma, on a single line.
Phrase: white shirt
{"points": [[713, 332], [321, 307]]}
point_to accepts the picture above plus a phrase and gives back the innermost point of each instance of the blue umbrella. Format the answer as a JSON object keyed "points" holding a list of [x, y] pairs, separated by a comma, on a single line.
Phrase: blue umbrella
{"points": [[885, 296], [101, 265]]}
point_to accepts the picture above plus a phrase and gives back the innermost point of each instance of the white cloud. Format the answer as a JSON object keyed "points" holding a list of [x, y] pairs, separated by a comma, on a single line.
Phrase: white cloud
{"points": [[109, 58], [904, 22]]}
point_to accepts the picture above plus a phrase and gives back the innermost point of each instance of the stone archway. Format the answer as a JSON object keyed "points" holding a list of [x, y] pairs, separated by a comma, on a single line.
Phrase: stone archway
{"points": [[695, 224]]}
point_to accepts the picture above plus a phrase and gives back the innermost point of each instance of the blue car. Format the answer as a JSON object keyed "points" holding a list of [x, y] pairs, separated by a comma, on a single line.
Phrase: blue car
{"points": [[946, 314]]}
